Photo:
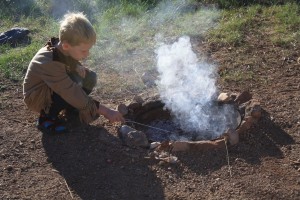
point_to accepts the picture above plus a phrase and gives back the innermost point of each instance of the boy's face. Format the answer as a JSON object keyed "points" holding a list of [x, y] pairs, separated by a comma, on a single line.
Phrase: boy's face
{"points": [[78, 52]]}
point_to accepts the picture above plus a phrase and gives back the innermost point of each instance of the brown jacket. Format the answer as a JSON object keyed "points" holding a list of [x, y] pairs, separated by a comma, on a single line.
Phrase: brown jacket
{"points": [[47, 73]]}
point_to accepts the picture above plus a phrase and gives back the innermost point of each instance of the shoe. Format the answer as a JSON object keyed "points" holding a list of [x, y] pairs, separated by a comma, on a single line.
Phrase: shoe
{"points": [[50, 125]]}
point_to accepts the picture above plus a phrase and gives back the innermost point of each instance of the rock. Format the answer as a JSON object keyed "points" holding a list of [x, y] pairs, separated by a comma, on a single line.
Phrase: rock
{"points": [[125, 129], [9, 168], [135, 104], [180, 146], [132, 137], [169, 159], [232, 136], [224, 98], [165, 146], [153, 145], [136, 139], [138, 99], [197, 145], [122, 108], [246, 124], [243, 97], [148, 79], [254, 109]]}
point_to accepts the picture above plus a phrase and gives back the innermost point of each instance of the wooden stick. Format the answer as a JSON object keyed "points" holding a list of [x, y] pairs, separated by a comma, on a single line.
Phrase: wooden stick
{"points": [[229, 168]]}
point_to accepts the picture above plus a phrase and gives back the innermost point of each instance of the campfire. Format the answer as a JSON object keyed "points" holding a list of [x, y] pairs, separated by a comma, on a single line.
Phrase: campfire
{"points": [[149, 124], [188, 113]]}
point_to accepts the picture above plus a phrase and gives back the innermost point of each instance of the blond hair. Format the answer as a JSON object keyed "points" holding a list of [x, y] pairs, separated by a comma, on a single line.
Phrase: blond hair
{"points": [[75, 28]]}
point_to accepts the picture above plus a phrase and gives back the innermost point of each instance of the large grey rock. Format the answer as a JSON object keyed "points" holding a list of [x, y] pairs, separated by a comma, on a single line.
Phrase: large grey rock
{"points": [[132, 137]]}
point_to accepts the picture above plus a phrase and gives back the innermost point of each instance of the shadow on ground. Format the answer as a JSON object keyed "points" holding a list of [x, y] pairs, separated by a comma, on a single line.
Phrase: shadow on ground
{"points": [[93, 169], [264, 139]]}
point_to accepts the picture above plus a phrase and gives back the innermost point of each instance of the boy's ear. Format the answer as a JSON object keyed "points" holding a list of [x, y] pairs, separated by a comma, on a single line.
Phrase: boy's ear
{"points": [[65, 45]]}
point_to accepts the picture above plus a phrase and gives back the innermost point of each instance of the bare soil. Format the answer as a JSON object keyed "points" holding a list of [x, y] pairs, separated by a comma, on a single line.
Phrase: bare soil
{"points": [[90, 162]]}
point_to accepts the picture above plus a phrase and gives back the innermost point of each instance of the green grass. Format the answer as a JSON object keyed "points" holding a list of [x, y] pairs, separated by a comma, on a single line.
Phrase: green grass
{"points": [[130, 35], [14, 60], [129, 31], [233, 25], [230, 4], [282, 24], [286, 22]]}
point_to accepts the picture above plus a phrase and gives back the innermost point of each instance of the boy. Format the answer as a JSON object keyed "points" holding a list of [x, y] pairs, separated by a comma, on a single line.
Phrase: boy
{"points": [[56, 80]]}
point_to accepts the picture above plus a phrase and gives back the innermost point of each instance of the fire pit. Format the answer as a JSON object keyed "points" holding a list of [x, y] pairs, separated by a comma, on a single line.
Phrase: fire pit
{"points": [[155, 123]]}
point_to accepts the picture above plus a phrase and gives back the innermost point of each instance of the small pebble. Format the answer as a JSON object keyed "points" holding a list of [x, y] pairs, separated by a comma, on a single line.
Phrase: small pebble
{"points": [[9, 168]]}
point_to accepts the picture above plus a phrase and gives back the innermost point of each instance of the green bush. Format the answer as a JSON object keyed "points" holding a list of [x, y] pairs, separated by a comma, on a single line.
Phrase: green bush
{"points": [[16, 8]]}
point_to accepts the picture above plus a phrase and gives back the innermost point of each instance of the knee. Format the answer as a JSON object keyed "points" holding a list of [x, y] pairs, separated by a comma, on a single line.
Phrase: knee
{"points": [[93, 78], [90, 80]]}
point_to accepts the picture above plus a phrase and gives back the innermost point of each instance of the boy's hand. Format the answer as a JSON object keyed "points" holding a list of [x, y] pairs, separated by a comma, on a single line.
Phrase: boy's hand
{"points": [[81, 70], [111, 115], [114, 116]]}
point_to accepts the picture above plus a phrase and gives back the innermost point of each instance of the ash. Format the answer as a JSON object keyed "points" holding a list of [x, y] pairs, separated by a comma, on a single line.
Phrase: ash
{"points": [[172, 132]]}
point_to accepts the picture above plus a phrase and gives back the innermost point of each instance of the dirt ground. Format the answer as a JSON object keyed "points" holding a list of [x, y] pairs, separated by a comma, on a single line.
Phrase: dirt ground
{"points": [[91, 162]]}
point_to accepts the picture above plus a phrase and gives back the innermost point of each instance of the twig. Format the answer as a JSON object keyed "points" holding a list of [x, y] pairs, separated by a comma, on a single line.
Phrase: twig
{"points": [[229, 168], [16, 120], [68, 188]]}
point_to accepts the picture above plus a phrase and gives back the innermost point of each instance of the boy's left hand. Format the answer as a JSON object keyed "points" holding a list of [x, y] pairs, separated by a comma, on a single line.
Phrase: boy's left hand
{"points": [[81, 70]]}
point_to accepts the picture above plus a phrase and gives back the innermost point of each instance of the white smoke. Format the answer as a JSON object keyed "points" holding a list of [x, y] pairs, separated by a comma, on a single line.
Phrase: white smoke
{"points": [[187, 87]]}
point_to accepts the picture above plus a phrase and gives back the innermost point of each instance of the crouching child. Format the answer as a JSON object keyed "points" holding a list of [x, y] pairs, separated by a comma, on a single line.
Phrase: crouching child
{"points": [[56, 80]]}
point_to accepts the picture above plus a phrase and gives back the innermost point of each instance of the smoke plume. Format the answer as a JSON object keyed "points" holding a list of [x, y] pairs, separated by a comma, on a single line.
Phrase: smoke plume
{"points": [[187, 87]]}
